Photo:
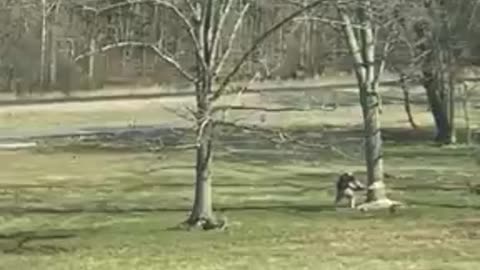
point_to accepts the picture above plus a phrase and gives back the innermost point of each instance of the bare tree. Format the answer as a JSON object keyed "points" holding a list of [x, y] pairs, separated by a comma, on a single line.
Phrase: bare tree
{"points": [[441, 32], [362, 42], [205, 24]]}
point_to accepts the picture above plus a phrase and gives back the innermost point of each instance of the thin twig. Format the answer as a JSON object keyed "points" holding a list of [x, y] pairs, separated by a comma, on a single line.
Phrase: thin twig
{"points": [[236, 28]]}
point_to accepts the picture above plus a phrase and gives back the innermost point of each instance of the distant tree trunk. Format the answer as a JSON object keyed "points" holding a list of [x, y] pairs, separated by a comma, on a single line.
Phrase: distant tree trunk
{"points": [[43, 47], [126, 36], [436, 106], [53, 47], [438, 79], [452, 131], [154, 34], [304, 41], [466, 112], [406, 95], [53, 60], [91, 62], [11, 78]]}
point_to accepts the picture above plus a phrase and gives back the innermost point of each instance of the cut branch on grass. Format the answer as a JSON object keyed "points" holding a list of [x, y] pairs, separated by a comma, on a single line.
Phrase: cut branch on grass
{"points": [[255, 108], [163, 55], [281, 137], [266, 109]]}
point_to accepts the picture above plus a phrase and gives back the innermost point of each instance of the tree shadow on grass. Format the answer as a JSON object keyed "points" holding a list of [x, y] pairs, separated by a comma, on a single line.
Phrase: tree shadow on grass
{"points": [[300, 187], [443, 205], [256, 147], [43, 242], [274, 205], [430, 187], [317, 148]]}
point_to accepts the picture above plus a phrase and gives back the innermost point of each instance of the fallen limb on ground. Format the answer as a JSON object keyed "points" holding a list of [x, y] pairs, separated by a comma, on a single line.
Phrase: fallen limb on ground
{"points": [[381, 204]]}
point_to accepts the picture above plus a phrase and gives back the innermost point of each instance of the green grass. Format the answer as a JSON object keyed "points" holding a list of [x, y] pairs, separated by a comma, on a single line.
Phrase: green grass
{"points": [[120, 204]]}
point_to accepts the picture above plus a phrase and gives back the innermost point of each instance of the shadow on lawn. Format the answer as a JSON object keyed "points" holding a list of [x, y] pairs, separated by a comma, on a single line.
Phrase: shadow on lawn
{"points": [[272, 205], [39, 241], [254, 147], [300, 210], [254, 150]]}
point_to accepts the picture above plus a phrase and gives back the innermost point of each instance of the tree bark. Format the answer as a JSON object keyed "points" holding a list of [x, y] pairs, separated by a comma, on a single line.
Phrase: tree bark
{"points": [[43, 47], [437, 107], [407, 107], [53, 47], [91, 62], [466, 113], [452, 131], [362, 48], [373, 144], [437, 73], [202, 211], [53, 58]]}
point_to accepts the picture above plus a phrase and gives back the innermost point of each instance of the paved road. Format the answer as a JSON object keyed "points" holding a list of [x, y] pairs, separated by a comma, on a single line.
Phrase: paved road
{"points": [[254, 89], [10, 137]]}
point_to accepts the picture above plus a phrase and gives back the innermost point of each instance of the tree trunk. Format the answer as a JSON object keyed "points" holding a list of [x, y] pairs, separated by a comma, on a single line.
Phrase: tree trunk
{"points": [[10, 78], [406, 95], [91, 63], [53, 47], [43, 46], [452, 132], [202, 206], [437, 108], [466, 113], [362, 49], [373, 144], [438, 77], [53, 59], [202, 212]]}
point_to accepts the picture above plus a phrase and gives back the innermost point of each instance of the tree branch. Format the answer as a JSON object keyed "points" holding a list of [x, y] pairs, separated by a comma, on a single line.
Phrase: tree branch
{"points": [[217, 35], [255, 108], [236, 28], [352, 43], [153, 47], [257, 42]]}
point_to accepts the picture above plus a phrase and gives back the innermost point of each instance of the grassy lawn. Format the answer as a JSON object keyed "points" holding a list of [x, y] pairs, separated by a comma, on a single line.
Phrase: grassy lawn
{"points": [[91, 207]]}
